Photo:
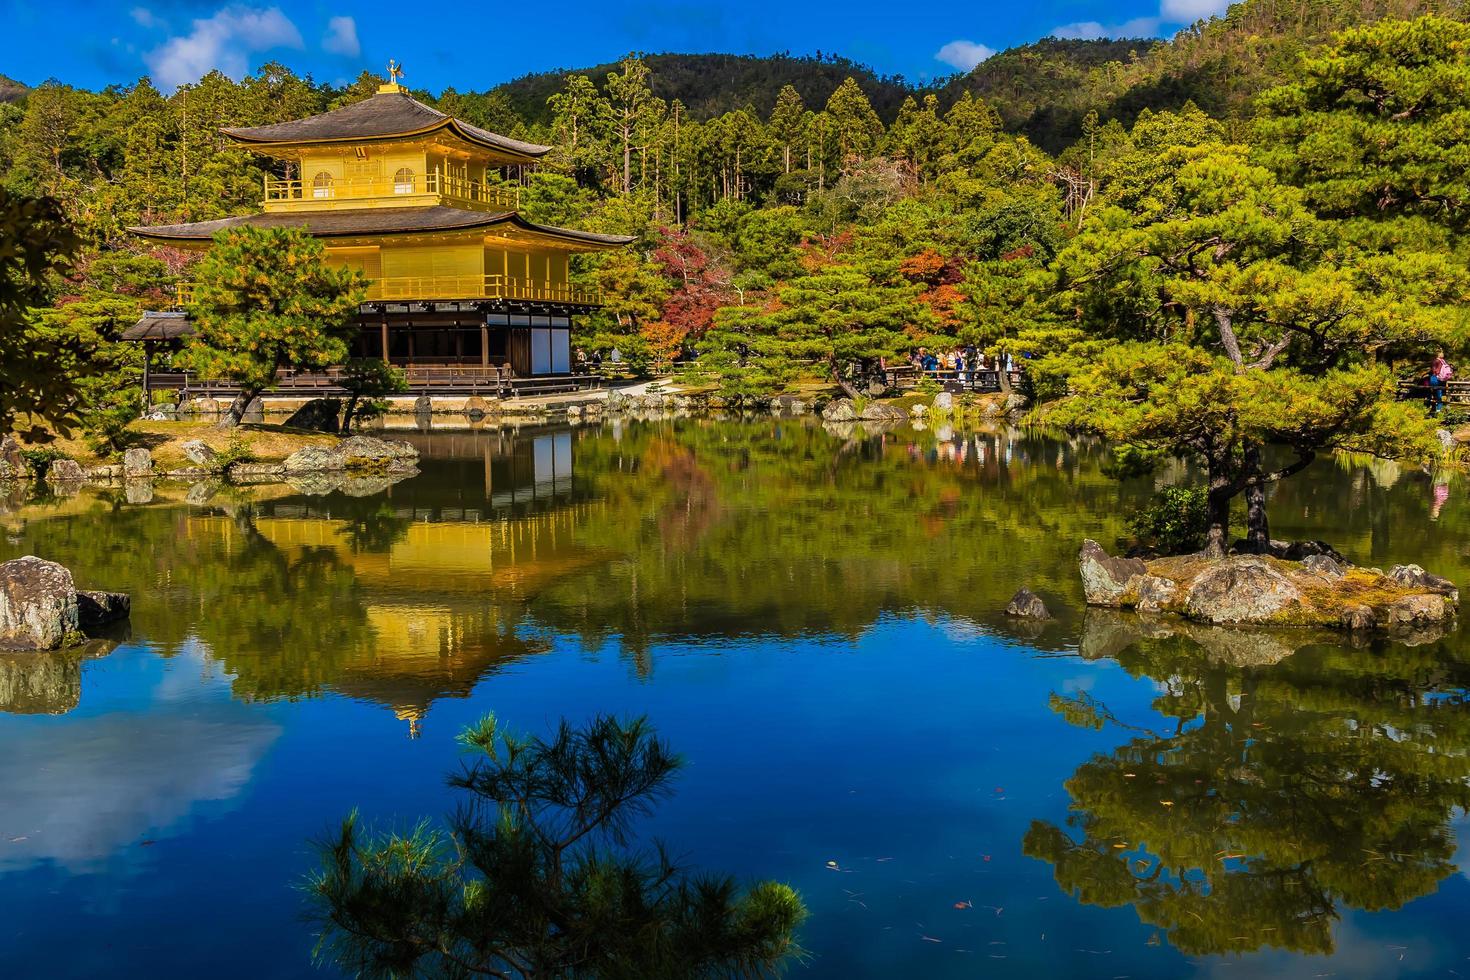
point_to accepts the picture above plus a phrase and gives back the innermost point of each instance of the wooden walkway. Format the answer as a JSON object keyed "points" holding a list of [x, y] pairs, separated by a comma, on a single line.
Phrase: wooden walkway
{"points": [[422, 380]]}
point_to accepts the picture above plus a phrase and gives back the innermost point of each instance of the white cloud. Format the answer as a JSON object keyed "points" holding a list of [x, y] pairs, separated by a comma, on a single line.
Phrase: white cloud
{"points": [[341, 37], [223, 42], [1189, 11], [1091, 30], [143, 17], [963, 55]]}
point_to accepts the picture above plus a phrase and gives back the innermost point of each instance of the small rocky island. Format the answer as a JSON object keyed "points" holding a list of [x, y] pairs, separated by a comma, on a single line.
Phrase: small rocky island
{"points": [[42, 609], [1320, 590]]}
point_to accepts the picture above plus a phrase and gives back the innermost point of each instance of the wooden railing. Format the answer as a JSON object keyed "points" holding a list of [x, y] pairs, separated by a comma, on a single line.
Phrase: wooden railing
{"points": [[399, 288], [459, 190]]}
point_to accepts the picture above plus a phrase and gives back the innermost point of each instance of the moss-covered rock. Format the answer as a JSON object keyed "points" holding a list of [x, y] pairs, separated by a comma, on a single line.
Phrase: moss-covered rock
{"points": [[1267, 591]]}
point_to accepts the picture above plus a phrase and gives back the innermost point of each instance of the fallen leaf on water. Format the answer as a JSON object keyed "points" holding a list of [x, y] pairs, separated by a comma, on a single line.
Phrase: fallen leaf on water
{"points": [[964, 905], [1167, 802]]}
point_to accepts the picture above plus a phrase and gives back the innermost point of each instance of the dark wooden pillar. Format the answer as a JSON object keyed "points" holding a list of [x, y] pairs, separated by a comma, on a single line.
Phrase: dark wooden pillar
{"points": [[484, 346], [385, 339], [147, 386]]}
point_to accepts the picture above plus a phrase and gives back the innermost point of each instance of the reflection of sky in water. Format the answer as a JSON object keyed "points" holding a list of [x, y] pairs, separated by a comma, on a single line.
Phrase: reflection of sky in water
{"points": [[166, 819], [88, 787]]}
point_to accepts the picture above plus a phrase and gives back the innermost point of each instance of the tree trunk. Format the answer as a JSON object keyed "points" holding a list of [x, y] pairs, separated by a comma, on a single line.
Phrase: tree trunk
{"points": [[1217, 541], [236, 412], [1258, 527], [349, 410]]}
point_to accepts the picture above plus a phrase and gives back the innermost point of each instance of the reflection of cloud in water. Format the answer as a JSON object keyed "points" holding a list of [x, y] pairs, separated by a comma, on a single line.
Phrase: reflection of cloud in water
{"points": [[1356, 957], [79, 791]]}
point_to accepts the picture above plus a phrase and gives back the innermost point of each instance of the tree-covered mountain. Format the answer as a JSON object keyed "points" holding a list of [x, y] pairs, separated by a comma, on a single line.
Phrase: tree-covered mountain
{"points": [[1035, 87], [11, 90], [710, 85], [1047, 89]]}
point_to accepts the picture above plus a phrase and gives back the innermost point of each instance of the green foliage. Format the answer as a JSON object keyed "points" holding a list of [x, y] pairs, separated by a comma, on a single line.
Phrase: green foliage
{"points": [[537, 878], [368, 380], [1177, 522], [1372, 125], [38, 374], [266, 299], [237, 450], [39, 460]]}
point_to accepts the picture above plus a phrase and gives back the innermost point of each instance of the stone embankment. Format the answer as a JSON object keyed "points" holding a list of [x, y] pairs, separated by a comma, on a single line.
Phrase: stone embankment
{"points": [[1318, 591], [42, 609], [361, 462]]}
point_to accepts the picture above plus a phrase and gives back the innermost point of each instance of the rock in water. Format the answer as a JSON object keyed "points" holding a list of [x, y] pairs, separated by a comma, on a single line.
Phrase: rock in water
{"points": [[100, 608], [943, 402], [1027, 605], [38, 605], [1240, 590], [881, 412], [840, 410], [316, 459], [199, 452], [1415, 577], [65, 471], [137, 462], [1106, 579]]}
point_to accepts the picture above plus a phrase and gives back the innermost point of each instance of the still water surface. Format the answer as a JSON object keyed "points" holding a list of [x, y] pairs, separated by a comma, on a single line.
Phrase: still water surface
{"points": [[812, 619]]}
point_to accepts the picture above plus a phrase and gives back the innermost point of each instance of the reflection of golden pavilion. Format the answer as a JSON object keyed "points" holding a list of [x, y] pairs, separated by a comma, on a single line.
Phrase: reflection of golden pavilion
{"points": [[444, 601]]}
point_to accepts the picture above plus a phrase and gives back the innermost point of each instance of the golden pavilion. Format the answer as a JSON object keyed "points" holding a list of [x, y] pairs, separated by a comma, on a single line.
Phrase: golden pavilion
{"points": [[408, 195]]}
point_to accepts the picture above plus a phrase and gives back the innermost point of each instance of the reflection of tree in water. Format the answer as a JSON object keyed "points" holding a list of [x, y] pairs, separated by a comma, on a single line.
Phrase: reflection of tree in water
{"points": [[1273, 796], [373, 526], [781, 527]]}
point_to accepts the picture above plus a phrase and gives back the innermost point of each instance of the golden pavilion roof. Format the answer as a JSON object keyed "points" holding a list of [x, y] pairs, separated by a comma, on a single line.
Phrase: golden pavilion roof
{"points": [[390, 115], [379, 221]]}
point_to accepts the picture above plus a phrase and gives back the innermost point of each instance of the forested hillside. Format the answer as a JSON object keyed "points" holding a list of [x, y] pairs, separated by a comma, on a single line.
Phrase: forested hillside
{"points": [[710, 85], [1039, 89]]}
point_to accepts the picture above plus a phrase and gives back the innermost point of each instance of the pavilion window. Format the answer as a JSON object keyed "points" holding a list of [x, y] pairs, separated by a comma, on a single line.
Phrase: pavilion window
{"points": [[403, 181], [321, 185]]}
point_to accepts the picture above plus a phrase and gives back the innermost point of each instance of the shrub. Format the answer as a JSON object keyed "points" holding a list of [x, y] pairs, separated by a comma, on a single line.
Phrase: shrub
{"points": [[1176, 523]]}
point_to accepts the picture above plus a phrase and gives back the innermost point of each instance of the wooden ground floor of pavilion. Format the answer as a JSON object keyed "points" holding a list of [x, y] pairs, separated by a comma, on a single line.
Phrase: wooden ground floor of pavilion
{"points": [[447, 347]]}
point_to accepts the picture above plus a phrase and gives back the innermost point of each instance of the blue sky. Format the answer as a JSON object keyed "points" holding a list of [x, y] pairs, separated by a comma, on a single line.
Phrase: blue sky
{"points": [[473, 46]]}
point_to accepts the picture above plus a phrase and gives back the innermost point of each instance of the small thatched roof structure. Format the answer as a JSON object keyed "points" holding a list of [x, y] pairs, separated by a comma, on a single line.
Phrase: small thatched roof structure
{"points": [[160, 326]]}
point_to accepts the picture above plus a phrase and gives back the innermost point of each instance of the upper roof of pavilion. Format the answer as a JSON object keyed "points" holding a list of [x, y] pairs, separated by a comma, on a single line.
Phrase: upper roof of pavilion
{"points": [[390, 116]]}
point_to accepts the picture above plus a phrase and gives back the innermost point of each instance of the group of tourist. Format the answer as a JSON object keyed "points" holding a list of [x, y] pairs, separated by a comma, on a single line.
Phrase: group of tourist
{"points": [[958, 364]]}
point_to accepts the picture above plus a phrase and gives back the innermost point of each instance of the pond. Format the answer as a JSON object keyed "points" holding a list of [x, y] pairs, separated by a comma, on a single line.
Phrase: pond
{"points": [[813, 619]]}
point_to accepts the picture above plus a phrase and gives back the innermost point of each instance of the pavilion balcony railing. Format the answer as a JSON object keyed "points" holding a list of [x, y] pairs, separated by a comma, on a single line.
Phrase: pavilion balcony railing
{"points": [[411, 288], [458, 190]]}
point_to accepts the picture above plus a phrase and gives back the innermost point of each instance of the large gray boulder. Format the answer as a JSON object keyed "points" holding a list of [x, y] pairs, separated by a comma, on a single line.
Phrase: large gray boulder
{"points": [[200, 453], [38, 605], [840, 410], [881, 412], [1106, 579], [316, 459], [137, 462], [943, 402], [1241, 589], [65, 471]]}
